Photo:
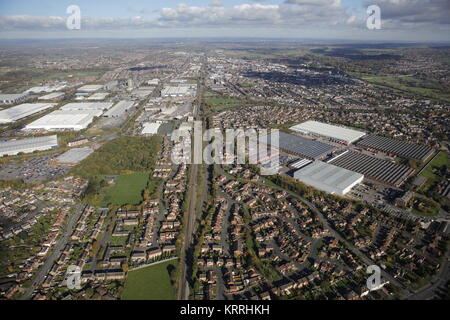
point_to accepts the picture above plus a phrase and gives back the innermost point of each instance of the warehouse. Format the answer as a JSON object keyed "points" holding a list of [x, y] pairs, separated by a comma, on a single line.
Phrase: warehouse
{"points": [[300, 163], [119, 109], [22, 111], [174, 91], [397, 147], [90, 88], [74, 156], [373, 168], [88, 106], [53, 96], [328, 178], [13, 98], [14, 147], [151, 128], [301, 147], [75, 120], [99, 96], [332, 132]]}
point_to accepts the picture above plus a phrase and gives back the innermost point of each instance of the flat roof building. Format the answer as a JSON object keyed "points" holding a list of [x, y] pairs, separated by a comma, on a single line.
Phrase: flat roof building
{"points": [[328, 178], [151, 128], [332, 132], [52, 96], [373, 168], [171, 91], [59, 120], [13, 98], [74, 156], [305, 148], [397, 147], [90, 88], [88, 106], [14, 147], [119, 109], [22, 111]]}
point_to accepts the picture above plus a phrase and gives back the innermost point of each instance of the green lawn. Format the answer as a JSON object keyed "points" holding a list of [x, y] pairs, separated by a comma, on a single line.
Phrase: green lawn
{"points": [[440, 160], [127, 189], [150, 283]]}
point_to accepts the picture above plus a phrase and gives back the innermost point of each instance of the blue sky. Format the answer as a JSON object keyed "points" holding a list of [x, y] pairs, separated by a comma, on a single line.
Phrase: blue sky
{"points": [[413, 20]]}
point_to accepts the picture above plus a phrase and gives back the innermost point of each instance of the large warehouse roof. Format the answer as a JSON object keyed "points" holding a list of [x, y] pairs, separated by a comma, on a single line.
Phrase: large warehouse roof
{"points": [[397, 147], [300, 146], [13, 147], [328, 178], [373, 168], [330, 131], [65, 119], [119, 109], [74, 156], [88, 106], [22, 111], [151, 128]]}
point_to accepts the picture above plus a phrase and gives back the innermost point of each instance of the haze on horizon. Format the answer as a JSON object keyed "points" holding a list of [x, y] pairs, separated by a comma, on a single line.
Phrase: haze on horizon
{"points": [[402, 20]]}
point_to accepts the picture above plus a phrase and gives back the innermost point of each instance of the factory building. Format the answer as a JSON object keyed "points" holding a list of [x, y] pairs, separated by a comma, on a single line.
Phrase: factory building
{"points": [[328, 178], [151, 128], [22, 111], [14, 147], [396, 147], [173, 92], [301, 147], [53, 96], [333, 133], [90, 88], [13, 98], [60, 120], [119, 109], [89, 106], [74, 156], [373, 168]]}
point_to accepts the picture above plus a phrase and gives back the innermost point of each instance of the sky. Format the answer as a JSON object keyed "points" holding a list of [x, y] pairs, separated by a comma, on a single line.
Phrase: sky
{"points": [[401, 20]]}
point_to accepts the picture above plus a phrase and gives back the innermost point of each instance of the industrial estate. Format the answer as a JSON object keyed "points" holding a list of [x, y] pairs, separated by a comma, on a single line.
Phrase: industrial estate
{"points": [[100, 198]]}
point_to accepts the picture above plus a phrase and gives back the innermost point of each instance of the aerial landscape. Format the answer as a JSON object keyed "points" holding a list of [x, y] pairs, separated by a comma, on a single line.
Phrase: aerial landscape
{"points": [[196, 165]]}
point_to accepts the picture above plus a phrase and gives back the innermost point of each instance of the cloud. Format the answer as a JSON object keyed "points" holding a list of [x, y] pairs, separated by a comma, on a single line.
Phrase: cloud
{"points": [[414, 11]]}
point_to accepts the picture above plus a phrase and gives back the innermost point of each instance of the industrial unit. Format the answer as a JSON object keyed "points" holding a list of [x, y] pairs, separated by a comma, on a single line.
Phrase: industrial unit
{"points": [[90, 88], [397, 147], [74, 156], [332, 132], [14, 147], [22, 111], [373, 168], [150, 128], [328, 178], [53, 96], [13, 98], [301, 147], [119, 109], [88, 106], [178, 91], [75, 120]]}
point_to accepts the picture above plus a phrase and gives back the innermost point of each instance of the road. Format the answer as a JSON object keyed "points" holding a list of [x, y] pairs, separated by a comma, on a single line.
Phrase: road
{"points": [[56, 252]]}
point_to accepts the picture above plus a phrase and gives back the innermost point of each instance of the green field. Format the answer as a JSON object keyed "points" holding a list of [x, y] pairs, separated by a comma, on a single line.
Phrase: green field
{"points": [[440, 160], [127, 189], [150, 283]]}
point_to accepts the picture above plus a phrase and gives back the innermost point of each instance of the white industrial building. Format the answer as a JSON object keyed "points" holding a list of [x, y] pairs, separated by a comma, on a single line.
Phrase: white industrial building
{"points": [[22, 111], [14, 147], [332, 132], [151, 128], [48, 89], [75, 120], [90, 88], [178, 91], [119, 109], [98, 96], [13, 98], [328, 178], [53, 96], [74, 156], [93, 106]]}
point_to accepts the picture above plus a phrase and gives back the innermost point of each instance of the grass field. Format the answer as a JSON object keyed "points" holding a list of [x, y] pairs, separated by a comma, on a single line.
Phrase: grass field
{"points": [[440, 160], [150, 283], [127, 189]]}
